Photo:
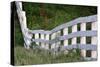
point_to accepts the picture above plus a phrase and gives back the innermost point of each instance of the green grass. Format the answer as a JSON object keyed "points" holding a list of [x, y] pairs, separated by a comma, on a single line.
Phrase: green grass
{"points": [[30, 57]]}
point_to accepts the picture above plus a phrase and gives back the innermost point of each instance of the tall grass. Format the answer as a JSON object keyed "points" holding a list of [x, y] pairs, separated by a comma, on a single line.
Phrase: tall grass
{"points": [[28, 57]]}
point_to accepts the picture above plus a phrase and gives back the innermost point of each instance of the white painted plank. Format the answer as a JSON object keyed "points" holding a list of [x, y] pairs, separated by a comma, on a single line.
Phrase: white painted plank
{"points": [[94, 40], [65, 42], [37, 37], [47, 38], [24, 24], [42, 36], [65, 32], [83, 39], [74, 29], [94, 26], [19, 5], [53, 36], [74, 40], [24, 29]]}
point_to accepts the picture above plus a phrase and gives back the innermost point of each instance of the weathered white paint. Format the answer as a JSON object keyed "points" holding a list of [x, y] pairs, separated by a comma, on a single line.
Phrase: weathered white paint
{"points": [[74, 29], [53, 36], [94, 40], [19, 5], [65, 32], [42, 36], [83, 39], [94, 26], [47, 38], [37, 37], [94, 53], [27, 36], [23, 18], [65, 42], [74, 40], [25, 30]]}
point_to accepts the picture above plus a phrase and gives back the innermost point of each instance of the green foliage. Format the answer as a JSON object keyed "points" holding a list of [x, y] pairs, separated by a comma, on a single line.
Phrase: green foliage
{"points": [[56, 14], [18, 37]]}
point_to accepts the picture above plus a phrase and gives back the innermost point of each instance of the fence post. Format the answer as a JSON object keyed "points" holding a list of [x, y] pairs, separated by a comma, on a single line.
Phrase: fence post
{"points": [[65, 42], [19, 5], [83, 39], [23, 23], [22, 20], [74, 40], [37, 37], [53, 37], [94, 40], [47, 38], [58, 33], [42, 37], [27, 36]]}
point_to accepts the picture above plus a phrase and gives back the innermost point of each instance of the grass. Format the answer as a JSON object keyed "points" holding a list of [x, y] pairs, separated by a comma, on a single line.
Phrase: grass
{"points": [[30, 57]]}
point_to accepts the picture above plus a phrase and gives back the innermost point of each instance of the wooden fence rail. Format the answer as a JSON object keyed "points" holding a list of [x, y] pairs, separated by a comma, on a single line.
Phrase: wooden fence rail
{"points": [[60, 33]]}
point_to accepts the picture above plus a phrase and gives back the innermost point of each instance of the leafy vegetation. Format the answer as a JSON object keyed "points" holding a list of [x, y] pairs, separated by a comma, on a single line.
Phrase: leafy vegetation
{"points": [[48, 16]]}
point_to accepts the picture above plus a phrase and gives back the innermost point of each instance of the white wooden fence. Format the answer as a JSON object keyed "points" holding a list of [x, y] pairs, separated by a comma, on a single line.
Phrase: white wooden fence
{"points": [[60, 33]]}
